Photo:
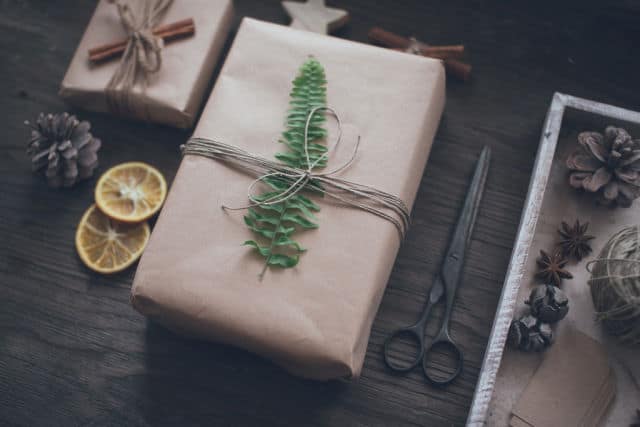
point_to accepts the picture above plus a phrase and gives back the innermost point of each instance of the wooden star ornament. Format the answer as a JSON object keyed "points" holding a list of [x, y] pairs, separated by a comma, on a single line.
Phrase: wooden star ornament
{"points": [[314, 15]]}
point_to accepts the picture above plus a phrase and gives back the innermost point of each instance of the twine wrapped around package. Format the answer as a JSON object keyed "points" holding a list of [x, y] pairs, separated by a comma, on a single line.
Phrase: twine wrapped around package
{"points": [[366, 198], [615, 285]]}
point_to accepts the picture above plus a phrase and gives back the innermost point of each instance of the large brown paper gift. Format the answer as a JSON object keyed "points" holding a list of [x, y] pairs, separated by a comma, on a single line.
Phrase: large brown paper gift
{"points": [[315, 319], [174, 94]]}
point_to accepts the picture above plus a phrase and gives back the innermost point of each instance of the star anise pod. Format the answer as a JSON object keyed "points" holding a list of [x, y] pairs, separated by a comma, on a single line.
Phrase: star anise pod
{"points": [[574, 241], [551, 268]]}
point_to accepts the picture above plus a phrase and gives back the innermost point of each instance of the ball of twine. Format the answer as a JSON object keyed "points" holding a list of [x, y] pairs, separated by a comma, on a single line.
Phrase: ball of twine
{"points": [[615, 285]]}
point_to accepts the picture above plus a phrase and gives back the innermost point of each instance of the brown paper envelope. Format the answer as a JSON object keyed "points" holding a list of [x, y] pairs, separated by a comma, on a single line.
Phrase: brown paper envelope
{"points": [[314, 320], [601, 403], [174, 93], [567, 383], [516, 421]]}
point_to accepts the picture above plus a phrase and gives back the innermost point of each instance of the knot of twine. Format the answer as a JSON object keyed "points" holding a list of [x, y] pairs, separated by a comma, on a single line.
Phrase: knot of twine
{"points": [[142, 55], [369, 199], [414, 47]]}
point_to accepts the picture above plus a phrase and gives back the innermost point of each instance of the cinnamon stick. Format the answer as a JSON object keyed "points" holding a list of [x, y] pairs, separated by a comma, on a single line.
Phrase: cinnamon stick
{"points": [[168, 33], [158, 32], [458, 69], [389, 39]]}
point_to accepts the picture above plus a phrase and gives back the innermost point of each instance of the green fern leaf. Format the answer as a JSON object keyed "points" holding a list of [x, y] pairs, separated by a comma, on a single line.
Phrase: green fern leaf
{"points": [[275, 223], [264, 251], [282, 260]]}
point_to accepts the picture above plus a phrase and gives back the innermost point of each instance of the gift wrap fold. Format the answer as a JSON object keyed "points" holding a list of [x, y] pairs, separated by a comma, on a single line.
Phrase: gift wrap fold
{"points": [[314, 320], [175, 93]]}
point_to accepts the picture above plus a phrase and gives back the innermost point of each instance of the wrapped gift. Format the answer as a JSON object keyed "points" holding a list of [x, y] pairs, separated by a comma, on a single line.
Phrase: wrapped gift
{"points": [[173, 94], [314, 319]]}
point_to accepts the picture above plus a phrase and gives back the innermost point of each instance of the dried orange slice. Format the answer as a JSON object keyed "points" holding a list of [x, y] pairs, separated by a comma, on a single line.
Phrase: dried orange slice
{"points": [[109, 246], [131, 192]]}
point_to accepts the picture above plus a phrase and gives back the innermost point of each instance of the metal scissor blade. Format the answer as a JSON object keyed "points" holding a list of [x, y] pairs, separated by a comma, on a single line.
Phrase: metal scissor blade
{"points": [[454, 260]]}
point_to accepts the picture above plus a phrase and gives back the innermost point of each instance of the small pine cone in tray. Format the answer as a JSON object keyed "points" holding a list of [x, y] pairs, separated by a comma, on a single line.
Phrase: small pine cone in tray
{"points": [[548, 303], [530, 334]]}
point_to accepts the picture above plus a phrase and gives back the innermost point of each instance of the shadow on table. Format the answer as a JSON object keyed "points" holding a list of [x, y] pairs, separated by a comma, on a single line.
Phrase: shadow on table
{"points": [[194, 382]]}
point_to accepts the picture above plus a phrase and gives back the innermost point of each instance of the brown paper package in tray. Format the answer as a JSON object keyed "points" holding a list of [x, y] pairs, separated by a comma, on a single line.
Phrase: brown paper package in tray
{"points": [[175, 93], [313, 320]]}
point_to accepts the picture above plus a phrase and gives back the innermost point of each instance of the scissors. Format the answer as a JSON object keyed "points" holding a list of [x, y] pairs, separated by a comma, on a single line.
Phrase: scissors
{"points": [[445, 284]]}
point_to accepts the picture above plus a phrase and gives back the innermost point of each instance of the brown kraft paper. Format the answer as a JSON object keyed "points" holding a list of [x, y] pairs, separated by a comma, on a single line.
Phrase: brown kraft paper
{"points": [[573, 386], [174, 94], [313, 320]]}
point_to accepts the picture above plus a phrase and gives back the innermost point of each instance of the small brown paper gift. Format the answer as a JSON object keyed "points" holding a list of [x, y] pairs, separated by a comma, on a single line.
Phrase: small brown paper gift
{"points": [[314, 320], [174, 93]]}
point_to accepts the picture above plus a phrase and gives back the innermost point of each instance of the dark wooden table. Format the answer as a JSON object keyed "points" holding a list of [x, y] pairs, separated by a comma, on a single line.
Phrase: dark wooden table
{"points": [[74, 352]]}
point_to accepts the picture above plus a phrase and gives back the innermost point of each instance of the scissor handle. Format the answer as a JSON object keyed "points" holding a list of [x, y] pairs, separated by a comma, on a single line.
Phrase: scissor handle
{"points": [[446, 379], [415, 333]]}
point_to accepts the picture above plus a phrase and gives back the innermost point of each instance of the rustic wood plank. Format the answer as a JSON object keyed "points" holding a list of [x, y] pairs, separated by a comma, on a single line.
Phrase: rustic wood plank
{"points": [[73, 351]]}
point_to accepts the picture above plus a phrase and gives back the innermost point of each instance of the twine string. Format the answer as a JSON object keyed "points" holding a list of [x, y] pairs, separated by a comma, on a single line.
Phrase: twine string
{"points": [[590, 263], [142, 55], [615, 284], [414, 47], [366, 198]]}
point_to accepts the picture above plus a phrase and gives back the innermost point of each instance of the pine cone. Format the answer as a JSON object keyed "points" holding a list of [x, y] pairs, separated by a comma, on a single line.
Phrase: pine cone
{"points": [[529, 334], [608, 165], [63, 145], [548, 303]]}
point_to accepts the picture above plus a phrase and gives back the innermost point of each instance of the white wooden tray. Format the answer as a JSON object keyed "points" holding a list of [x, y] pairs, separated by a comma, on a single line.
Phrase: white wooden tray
{"points": [[506, 372]]}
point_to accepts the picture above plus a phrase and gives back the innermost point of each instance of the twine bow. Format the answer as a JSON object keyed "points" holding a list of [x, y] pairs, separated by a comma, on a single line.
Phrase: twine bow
{"points": [[366, 198], [141, 57]]}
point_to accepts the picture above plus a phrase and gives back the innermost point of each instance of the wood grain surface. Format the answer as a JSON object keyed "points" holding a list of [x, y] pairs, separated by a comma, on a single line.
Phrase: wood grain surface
{"points": [[74, 352]]}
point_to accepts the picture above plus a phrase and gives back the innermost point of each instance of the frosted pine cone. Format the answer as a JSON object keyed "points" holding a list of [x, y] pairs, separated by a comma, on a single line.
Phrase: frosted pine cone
{"points": [[64, 147], [548, 303], [530, 334], [608, 165]]}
